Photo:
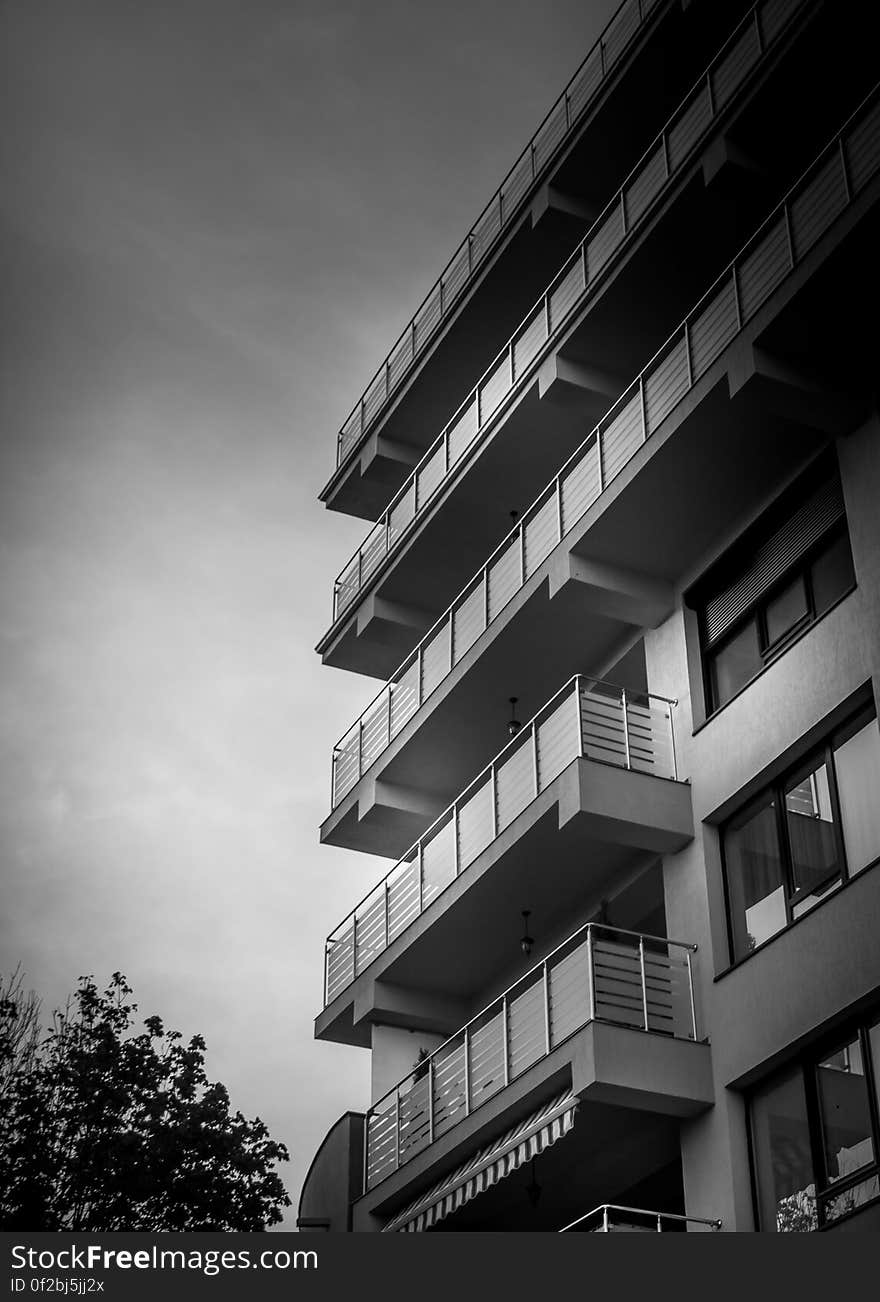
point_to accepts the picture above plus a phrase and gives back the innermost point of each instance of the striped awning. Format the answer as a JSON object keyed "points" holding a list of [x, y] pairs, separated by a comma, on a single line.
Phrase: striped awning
{"points": [[500, 1158]]}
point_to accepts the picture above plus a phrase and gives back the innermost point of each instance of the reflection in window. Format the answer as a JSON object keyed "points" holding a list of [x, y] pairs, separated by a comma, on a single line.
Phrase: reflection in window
{"points": [[735, 663], [786, 610], [755, 879], [786, 1190], [846, 1113], [857, 763], [811, 836], [832, 574]]}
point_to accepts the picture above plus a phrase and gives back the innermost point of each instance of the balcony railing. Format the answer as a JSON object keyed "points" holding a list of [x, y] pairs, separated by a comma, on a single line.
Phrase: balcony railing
{"points": [[588, 718], [610, 1219], [495, 218], [815, 202], [741, 54], [598, 974]]}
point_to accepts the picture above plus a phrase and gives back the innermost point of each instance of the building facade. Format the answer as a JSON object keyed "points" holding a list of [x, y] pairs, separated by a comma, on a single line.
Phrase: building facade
{"points": [[621, 580]]}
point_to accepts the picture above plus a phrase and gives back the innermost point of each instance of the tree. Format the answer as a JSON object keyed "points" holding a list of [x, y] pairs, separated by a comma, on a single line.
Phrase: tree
{"points": [[103, 1129]]}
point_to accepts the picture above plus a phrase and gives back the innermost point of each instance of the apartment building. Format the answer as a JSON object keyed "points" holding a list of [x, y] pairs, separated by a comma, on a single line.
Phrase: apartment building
{"points": [[621, 582]]}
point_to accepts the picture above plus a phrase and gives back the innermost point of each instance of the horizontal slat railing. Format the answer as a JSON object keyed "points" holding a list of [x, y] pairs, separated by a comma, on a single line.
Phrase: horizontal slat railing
{"points": [[496, 218], [743, 52], [589, 718], [598, 974], [609, 1218], [817, 200]]}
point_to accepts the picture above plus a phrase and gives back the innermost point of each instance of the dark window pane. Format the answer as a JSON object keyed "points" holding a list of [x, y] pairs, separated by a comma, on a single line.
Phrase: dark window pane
{"points": [[832, 574], [785, 610], [754, 879], [857, 764], [735, 663], [783, 1159], [811, 838], [846, 1116]]}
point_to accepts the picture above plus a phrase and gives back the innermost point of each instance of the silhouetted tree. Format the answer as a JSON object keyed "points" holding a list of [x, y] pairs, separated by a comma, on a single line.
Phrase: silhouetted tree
{"points": [[103, 1129]]}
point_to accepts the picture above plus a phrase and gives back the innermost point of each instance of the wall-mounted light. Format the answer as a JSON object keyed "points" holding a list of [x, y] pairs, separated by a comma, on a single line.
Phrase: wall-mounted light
{"points": [[527, 941], [514, 725]]}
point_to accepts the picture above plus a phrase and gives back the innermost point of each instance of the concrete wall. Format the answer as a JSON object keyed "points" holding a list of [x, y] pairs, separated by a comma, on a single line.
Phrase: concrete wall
{"points": [[334, 1178], [781, 995]]}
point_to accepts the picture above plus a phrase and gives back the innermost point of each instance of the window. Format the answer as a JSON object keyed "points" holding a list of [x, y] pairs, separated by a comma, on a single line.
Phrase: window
{"points": [[786, 571], [803, 836], [816, 1136]]}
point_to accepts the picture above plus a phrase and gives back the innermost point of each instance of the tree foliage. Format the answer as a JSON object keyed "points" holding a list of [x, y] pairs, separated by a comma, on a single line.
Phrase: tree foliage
{"points": [[103, 1128]]}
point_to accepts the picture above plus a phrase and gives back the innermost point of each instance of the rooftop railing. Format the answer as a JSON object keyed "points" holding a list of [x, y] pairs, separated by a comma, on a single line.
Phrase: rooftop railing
{"points": [[588, 718], [610, 1219], [598, 974], [821, 196], [742, 53], [495, 218]]}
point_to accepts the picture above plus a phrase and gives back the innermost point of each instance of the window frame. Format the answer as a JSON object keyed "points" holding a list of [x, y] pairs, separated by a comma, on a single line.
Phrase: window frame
{"points": [[757, 614], [807, 1066], [822, 752]]}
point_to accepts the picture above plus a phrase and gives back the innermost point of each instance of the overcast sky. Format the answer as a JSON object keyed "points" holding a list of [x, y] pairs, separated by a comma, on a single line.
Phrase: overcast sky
{"points": [[216, 217]]}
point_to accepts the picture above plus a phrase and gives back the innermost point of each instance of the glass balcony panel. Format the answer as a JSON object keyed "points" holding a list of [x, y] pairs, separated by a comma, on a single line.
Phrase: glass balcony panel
{"points": [[340, 962], [817, 206], [584, 84], [515, 783], [529, 340], [566, 291], [400, 360], [650, 737], [403, 898], [455, 277], [602, 726], [580, 485], [640, 193], [735, 66], [862, 150], [485, 231], [476, 827], [774, 14], [371, 930], [516, 186], [375, 397], [665, 384], [569, 994], [487, 1059], [604, 242], [404, 697], [541, 533], [557, 742], [463, 431], [427, 319], [622, 437], [620, 30], [526, 1028], [468, 620], [430, 473], [374, 733], [346, 767], [550, 136], [713, 328], [504, 576], [449, 1087], [436, 660], [382, 1139], [402, 512], [618, 982], [438, 862], [763, 268], [688, 126], [495, 388], [415, 1118]]}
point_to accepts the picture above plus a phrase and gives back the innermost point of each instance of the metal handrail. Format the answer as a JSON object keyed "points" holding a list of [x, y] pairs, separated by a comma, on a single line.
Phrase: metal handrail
{"points": [[538, 975], [508, 200], [386, 535], [603, 432], [605, 1208], [582, 743]]}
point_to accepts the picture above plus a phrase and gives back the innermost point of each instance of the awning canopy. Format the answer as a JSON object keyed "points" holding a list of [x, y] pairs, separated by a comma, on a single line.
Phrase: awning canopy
{"points": [[500, 1158]]}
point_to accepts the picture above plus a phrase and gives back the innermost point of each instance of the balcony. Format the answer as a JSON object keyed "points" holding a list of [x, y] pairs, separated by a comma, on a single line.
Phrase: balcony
{"points": [[750, 49], [609, 1219], [599, 975], [587, 720], [632, 78], [495, 218], [681, 376]]}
